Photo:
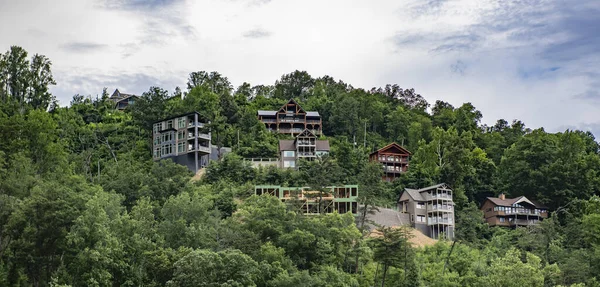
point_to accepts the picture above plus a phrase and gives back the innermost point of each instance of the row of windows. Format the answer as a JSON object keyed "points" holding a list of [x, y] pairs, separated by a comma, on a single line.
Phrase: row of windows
{"points": [[391, 158], [169, 149], [181, 123], [291, 153], [508, 209], [181, 135], [521, 221], [163, 150]]}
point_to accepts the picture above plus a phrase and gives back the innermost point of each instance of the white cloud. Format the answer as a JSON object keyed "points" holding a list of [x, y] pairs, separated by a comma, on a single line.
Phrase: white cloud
{"points": [[511, 59]]}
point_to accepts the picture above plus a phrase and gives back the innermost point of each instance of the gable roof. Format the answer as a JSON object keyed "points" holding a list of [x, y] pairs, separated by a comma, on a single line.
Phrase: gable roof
{"points": [[417, 194], [292, 101], [392, 145], [511, 201], [305, 133]]}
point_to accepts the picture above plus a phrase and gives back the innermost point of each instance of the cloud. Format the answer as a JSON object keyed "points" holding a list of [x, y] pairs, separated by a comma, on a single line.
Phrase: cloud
{"points": [[161, 21], [91, 82], [458, 67], [137, 4], [591, 95], [83, 47], [257, 33], [594, 128]]}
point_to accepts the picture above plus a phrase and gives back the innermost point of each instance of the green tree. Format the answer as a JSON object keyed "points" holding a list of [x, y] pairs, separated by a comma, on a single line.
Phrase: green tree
{"points": [[207, 268]]}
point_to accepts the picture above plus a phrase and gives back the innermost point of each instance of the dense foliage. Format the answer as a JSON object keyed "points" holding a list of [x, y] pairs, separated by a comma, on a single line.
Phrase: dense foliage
{"points": [[83, 204]]}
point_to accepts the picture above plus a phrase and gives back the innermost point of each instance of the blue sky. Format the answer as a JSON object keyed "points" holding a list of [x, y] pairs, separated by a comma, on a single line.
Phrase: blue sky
{"points": [[532, 60]]}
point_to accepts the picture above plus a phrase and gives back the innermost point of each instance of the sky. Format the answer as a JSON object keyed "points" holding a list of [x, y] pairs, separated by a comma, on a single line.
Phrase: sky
{"points": [[533, 60]]}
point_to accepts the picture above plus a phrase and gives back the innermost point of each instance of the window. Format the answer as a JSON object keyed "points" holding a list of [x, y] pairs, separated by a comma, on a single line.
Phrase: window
{"points": [[289, 163], [170, 124], [181, 147], [420, 205], [181, 123], [420, 218], [322, 153], [166, 137], [180, 135], [289, 153], [156, 140], [157, 152], [167, 149], [502, 219], [412, 218], [157, 127]]}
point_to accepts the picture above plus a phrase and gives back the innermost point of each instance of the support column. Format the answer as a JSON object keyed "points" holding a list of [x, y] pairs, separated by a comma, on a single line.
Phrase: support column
{"points": [[195, 142]]}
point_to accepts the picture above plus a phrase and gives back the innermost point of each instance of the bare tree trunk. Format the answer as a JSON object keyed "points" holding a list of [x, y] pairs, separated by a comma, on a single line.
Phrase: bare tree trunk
{"points": [[376, 271], [385, 269], [448, 258]]}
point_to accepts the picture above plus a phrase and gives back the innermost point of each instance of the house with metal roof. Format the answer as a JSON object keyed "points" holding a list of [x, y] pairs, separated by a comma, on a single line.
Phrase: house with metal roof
{"points": [[431, 210], [291, 119], [513, 212]]}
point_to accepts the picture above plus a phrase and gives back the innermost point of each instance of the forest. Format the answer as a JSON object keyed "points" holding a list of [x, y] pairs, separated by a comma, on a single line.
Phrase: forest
{"points": [[82, 203]]}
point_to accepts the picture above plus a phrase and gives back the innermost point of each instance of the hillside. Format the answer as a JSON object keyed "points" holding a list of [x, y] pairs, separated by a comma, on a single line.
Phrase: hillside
{"points": [[84, 203]]}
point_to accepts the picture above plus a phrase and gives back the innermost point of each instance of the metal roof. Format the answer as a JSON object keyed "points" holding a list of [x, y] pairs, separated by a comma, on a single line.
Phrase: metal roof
{"points": [[267, 113], [312, 114]]}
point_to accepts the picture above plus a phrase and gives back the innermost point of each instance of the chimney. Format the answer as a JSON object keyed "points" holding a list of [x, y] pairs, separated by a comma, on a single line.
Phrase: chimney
{"points": [[501, 196]]}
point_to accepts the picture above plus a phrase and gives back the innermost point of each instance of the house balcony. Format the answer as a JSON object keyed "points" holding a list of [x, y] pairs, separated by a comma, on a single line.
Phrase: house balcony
{"points": [[439, 207], [306, 154], [268, 120], [200, 136], [392, 160], [525, 212], [195, 124], [434, 220], [202, 149], [291, 120], [289, 131], [306, 143], [313, 122]]}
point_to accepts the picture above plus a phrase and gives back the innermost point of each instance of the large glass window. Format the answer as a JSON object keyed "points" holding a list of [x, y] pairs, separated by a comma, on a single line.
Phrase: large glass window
{"points": [[166, 137], [170, 124], [157, 127], [157, 152], [181, 123], [157, 140], [181, 147], [289, 153], [180, 135], [289, 163], [420, 205], [420, 218]]}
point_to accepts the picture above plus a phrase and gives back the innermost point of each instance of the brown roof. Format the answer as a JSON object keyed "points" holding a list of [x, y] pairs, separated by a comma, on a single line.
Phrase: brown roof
{"points": [[401, 148], [323, 145], [511, 201], [286, 145]]}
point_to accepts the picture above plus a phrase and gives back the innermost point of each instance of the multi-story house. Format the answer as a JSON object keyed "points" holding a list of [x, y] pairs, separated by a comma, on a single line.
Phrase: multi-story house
{"points": [[394, 159], [431, 210], [121, 100], [184, 139], [304, 146], [308, 201], [291, 119], [513, 212]]}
